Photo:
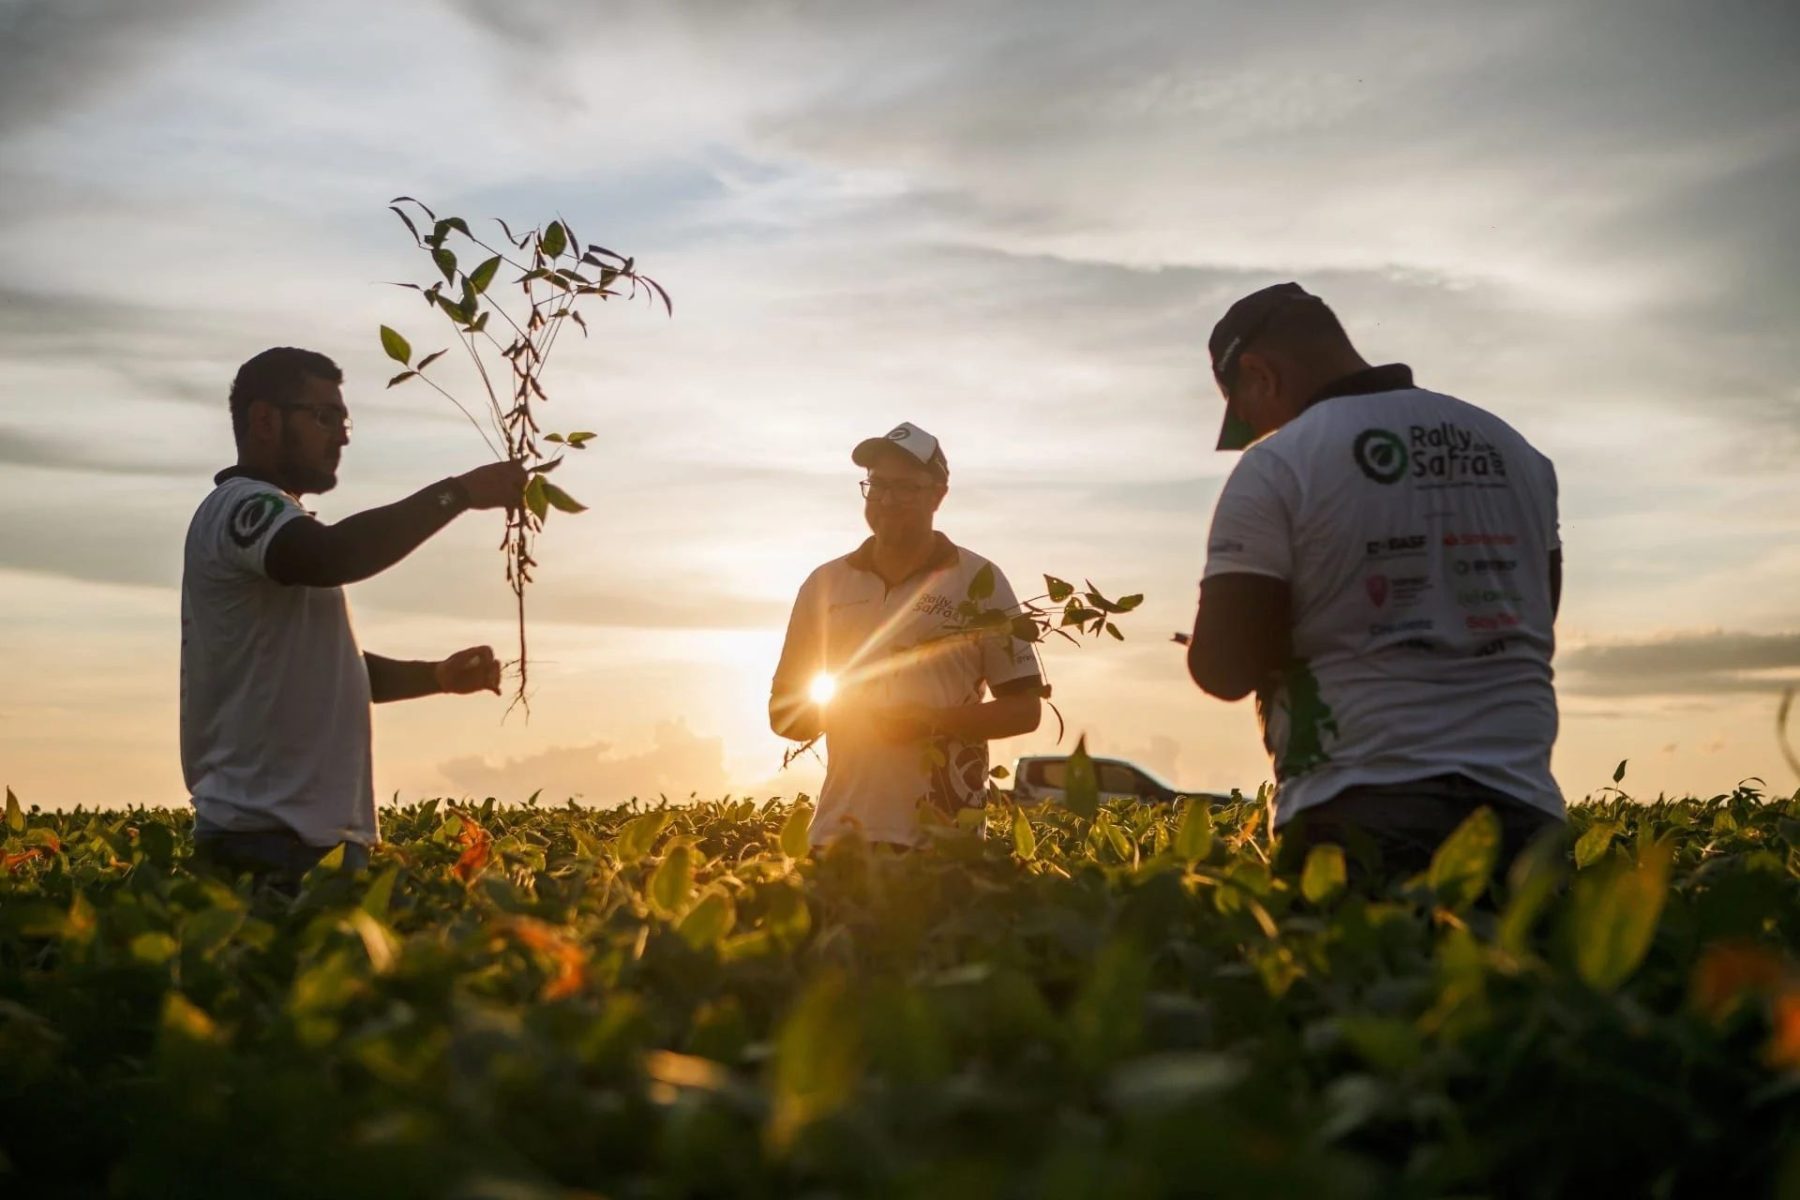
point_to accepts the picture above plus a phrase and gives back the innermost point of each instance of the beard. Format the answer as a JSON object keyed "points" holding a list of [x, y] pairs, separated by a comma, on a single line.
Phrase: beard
{"points": [[304, 477]]}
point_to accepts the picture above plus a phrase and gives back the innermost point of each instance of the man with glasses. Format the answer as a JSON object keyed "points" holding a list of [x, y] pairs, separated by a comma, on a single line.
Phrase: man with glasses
{"points": [[275, 694], [874, 661], [1383, 571]]}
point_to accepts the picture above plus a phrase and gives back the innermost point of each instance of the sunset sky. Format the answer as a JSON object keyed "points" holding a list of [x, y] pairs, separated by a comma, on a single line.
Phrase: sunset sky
{"points": [[1011, 223]]}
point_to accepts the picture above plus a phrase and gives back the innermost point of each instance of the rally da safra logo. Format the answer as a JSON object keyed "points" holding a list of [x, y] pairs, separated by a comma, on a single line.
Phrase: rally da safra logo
{"points": [[1380, 454]]}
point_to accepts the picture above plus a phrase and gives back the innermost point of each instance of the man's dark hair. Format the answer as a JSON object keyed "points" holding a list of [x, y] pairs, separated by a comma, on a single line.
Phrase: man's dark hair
{"points": [[276, 376]]}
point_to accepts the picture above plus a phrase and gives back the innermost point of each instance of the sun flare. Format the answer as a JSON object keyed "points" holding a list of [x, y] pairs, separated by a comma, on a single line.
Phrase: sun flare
{"points": [[822, 688]]}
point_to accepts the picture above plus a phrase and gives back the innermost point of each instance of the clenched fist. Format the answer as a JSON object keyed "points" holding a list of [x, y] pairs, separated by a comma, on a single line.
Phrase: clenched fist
{"points": [[497, 485], [472, 670]]}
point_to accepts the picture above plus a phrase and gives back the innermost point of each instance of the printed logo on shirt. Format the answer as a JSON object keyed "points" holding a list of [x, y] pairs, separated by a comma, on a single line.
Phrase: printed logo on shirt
{"points": [[1225, 546], [1476, 597], [1406, 591], [1486, 566], [934, 605], [1480, 622], [1448, 453], [1416, 625], [1409, 546], [1380, 454], [252, 516], [1481, 539]]}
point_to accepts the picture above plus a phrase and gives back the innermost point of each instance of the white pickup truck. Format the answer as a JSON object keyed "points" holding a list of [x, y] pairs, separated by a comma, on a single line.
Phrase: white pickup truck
{"points": [[1038, 778]]}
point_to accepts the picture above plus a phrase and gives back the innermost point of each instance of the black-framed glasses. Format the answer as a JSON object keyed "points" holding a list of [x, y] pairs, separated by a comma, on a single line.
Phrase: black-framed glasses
{"points": [[328, 418], [880, 488]]}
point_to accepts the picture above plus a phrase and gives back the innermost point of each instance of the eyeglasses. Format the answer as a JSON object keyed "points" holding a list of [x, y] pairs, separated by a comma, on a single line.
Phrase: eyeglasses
{"points": [[330, 419], [904, 492]]}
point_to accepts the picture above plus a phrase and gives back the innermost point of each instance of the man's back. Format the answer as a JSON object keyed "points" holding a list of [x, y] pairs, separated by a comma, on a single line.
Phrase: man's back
{"points": [[1415, 532]]}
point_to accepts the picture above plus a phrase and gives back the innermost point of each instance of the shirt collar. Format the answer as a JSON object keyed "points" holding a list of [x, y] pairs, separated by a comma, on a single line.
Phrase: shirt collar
{"points": [[943, 554], [1388, 378], [242, 472]]}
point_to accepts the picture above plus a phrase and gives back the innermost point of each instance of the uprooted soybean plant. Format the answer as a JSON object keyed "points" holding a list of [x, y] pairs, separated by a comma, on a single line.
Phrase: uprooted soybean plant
{"points": [[557, 276]]}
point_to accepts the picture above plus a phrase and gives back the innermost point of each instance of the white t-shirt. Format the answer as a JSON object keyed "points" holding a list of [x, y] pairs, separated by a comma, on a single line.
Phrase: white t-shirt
{"points": [[883, 645], [1414, 531], [274, 692]]}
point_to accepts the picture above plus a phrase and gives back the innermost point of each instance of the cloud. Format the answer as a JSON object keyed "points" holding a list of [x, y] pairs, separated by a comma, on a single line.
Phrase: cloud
{"points": [[54, 52], [678, 764], [1711, 662], [22, 449]]}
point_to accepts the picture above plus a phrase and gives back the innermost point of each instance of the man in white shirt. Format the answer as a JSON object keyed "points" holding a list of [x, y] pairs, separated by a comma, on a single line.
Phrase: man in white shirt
{"points": [[1383, 571], [275, 693], [912, 713]]}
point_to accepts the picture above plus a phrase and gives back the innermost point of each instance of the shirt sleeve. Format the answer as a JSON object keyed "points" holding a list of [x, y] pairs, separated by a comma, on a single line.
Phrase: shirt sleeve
{"points": [[1004, 658], [1552, 505], [249, 519], [1253, 525]]}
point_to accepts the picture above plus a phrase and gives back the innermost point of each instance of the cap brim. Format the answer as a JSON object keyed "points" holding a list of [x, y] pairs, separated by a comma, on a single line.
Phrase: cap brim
{"points": [[1235, 433]]}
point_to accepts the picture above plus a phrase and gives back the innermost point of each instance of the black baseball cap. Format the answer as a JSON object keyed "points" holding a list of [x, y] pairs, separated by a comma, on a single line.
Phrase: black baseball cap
{"points": [[908, 439], [1242, 322]]}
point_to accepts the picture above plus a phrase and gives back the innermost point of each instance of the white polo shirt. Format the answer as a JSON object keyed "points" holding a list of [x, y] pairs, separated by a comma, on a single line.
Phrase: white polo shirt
{"points": [[1415, 533], [274, 692], [884, 645]]}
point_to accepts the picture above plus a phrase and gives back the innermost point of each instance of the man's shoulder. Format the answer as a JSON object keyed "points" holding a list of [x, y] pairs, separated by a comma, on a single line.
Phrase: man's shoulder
{"points": [[244, 508]]}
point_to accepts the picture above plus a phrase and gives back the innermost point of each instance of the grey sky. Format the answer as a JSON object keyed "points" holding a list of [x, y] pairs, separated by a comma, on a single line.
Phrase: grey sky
{"points": [[1011, 222]]}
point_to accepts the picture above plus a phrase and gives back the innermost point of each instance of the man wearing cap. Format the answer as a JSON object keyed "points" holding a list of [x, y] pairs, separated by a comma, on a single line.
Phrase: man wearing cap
{"points": [[916, 702], [1383, 571]]}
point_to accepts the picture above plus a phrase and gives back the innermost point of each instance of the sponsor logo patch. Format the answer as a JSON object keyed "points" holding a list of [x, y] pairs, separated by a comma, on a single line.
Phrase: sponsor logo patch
{"points": [[252, 517], [1380, 454], [1396, 547]]}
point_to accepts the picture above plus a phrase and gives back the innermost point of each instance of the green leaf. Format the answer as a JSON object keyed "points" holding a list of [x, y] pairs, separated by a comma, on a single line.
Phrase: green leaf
{"points": [[1058, 589], [397, 347], [1619, 771], [1194, 837], [375, 901], [1127, 603], [818, 1059], [1386, 1043], [640, 834], [982, 585], [1461, 867], [561, 500], [430, 358], [1081, 786], [402, 377], [1592, 846], [796, 832], [673, 880], [709, 921], [15, 816], [536, 498], [1324, 875], [554, 241], [1024, 840], [578, 439], [1614, 913], [446, 262], [554, 437], [1025, 629], [483, 275]]}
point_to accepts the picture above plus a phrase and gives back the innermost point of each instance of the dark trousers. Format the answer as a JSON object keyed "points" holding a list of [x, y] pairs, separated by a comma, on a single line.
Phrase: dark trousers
{"points": [[1391, 830], [276, 856]]}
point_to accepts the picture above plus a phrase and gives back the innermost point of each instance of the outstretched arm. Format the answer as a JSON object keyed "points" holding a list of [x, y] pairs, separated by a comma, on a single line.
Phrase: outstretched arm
{"points": [[309, 553]]}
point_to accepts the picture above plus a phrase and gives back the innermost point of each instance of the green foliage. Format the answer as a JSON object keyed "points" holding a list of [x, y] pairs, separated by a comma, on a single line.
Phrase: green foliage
{"points": [[686, 1001], [557, 276]]}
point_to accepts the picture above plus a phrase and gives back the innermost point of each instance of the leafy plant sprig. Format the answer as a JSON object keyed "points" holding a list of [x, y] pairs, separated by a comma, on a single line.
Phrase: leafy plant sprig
{"points": [[1061, 610], [557, 275]]}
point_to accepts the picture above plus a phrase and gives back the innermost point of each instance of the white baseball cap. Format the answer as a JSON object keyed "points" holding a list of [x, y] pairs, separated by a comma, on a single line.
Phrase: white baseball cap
{"points": [[907, 438]]}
